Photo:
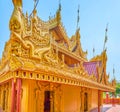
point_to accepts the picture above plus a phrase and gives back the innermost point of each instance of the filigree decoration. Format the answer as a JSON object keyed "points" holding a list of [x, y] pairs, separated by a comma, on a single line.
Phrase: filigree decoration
{"points": [[15, 24], [92, 77], [14, 63], [25, 52], [29, 65], [15, 48], [40, 41], [51, 57]]}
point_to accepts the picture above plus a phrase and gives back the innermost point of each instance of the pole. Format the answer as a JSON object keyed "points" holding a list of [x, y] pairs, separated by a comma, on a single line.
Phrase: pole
{"points": [[99, 98], [19, 95], [13, 96]]}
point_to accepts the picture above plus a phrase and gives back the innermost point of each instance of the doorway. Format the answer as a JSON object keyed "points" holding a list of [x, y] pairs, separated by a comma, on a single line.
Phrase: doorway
{"points": [[49, 101], [85, 102], [4, 100]]}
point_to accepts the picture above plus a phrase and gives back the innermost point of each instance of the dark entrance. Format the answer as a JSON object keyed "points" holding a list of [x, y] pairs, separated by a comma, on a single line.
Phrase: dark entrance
{"points": [[4, 99], [85, 102], [49, 101]]}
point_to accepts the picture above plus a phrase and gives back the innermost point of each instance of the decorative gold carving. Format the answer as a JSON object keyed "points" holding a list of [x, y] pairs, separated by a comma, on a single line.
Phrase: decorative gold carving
{"points": [[103, 77], [15, 48], [39, 97], [14, 63], [15, 24], [17, 3], [25, 52], [51, 57], [4, 97]]}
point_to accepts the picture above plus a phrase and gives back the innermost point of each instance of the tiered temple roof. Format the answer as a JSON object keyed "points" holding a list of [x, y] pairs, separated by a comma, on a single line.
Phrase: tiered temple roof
{"points": [[42, 51]]}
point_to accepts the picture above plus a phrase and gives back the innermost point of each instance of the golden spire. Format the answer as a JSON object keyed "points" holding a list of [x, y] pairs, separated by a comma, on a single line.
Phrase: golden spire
{"points": [[58, 14]]}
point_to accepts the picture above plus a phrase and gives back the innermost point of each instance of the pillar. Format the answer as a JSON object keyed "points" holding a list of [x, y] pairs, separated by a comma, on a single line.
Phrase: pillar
{"points": [[99, 100], [113, 99], [82, 95], [13, 96], [107, 97], [19, 95]]}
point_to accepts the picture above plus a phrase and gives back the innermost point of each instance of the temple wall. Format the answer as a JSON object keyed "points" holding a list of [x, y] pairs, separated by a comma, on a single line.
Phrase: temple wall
{"points": [[32, 96], [5, 96], [24, 96], [71, 99], [94, 99], [66, 99]]}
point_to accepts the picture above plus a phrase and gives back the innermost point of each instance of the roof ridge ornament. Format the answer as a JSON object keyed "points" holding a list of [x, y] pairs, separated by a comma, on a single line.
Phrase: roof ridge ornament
{"points": [[15, 20], [59, 5], [58, 13], [78, 16], [34, 9], [17, 3], [113, 72], [106, 37]]}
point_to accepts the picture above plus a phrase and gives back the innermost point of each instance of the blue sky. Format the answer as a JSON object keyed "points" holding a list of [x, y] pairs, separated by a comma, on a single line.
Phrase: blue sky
{"points": [[94, 15]]}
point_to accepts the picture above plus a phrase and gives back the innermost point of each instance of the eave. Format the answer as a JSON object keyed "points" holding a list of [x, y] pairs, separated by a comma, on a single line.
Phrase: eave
{"points": [[55, 75]]}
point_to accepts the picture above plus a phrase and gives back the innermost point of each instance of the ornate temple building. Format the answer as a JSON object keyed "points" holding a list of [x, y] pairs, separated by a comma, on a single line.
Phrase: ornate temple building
{"points": [[43, 70]]}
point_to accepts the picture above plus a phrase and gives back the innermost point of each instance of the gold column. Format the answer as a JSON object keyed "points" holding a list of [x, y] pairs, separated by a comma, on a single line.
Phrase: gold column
{"points": [[51, 101], [89, 99], [0, 96], [25, 96], [42, 101], [7, 94], [58, 99], [39, 97], [51, 98], [82, 101], [101, 98]]}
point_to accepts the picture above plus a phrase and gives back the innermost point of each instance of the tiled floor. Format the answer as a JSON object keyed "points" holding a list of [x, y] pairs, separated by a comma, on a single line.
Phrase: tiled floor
{"points": [[103, 108], [108, 108], [115, 108]]}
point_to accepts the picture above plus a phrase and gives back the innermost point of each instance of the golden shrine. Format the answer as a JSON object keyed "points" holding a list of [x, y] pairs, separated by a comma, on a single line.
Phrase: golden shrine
{"points": [[43, 70]]}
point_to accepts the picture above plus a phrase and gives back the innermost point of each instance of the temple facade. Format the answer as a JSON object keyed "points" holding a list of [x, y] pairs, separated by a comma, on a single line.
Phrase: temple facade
{"points": [[43, 70]]}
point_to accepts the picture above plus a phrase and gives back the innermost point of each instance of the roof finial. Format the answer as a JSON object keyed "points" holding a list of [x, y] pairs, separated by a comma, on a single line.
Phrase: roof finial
{"points": [[113, 72], [34, 9], [106, 38], [93, 51], [58, 13], [78, 16], [17, 3], [34, 3], [59, 5]]}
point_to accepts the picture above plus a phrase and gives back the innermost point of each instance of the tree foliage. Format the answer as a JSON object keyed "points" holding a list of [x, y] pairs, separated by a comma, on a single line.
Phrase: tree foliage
{"points": [[117, 89]]}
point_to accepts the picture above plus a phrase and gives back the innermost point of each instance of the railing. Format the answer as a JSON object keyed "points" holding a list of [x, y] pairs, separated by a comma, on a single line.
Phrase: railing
{"points": [[111, 101]]}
